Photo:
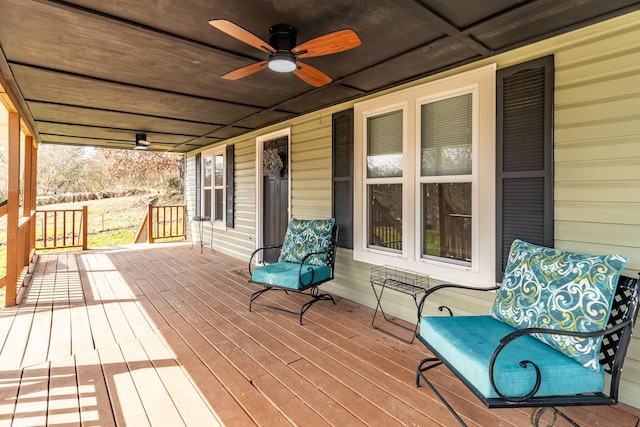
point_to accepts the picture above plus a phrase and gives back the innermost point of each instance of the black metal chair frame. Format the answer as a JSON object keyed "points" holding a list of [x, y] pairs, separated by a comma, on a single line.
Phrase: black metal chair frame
{"points": [[616, 339], [310, 289]]}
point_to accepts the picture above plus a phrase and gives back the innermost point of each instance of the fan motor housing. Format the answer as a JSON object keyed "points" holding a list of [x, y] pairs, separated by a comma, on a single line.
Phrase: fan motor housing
{"points": [[282, 37]]}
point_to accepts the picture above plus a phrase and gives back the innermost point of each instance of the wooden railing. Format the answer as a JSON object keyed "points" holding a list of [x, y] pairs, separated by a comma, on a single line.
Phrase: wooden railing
{"points": [[455, 236], [162, 223], [61, 228], [387, 231], [454, 231]]}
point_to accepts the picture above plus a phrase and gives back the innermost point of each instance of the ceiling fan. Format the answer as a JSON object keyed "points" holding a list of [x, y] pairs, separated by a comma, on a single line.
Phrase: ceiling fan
{"points": [[284, 53]]}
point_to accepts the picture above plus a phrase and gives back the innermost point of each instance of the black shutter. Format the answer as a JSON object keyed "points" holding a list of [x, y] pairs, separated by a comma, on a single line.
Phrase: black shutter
{"points": [[198, 173], [524, 156], [343, 176], [229, 159]]}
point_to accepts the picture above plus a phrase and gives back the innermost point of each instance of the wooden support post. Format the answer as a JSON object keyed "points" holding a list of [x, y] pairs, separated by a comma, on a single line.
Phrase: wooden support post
{"points": [[34, 185], [29, 202], [13, 213], [150, 222], [28, 188]]}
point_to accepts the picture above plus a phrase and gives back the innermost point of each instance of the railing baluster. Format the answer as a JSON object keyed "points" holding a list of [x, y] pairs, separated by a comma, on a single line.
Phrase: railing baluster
{"points": [[64, 228], [73, 228], [171, 220], [164, 221], [55, 230], [44, 229]]}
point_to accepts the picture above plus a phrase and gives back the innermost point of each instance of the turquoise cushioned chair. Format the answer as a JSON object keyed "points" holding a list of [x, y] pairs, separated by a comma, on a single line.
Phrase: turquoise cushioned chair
{"points": [[511, 358], [307, 258]]}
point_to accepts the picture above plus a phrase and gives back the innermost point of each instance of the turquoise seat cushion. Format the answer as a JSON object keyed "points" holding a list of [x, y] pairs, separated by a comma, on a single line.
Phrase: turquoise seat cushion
{"points": [[557, 289], [285, 274], [305, 236], [467, 343]]}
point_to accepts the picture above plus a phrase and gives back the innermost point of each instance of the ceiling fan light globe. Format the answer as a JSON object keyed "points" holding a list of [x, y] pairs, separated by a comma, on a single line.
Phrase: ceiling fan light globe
{"points": [[282, 65]]}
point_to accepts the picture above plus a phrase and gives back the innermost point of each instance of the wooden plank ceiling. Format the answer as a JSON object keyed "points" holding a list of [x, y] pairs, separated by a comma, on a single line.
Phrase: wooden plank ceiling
{"points": [[93, 72]]}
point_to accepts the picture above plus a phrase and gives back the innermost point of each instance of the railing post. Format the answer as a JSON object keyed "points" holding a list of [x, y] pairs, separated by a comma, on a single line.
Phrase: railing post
{"points": [[150, 222], [85, 227], [34, 180]]}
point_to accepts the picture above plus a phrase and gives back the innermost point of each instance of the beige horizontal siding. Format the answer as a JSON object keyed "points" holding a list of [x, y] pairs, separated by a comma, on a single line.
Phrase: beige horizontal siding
{"points": [[597, 152], [311, 167]]}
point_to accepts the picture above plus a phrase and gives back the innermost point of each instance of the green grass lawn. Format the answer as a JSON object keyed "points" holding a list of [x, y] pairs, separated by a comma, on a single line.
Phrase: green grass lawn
{"points": [[112, 222]]}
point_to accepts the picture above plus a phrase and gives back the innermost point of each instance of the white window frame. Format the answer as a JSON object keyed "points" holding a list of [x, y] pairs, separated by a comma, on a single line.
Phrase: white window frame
{"points": [[390, 180], [217, 151], [481, 271]]}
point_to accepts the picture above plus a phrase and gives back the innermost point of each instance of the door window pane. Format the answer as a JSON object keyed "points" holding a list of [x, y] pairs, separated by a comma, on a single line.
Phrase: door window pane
{"points": [[385, 216]]}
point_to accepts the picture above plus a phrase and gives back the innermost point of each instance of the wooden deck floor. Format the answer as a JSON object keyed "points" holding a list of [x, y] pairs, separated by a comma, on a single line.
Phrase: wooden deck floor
{"points": [[162, 336]]}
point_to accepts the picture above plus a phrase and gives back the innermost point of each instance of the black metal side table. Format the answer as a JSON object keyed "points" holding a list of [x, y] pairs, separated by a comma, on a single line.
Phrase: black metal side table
{"points": [[403, 281], [201, 220]]}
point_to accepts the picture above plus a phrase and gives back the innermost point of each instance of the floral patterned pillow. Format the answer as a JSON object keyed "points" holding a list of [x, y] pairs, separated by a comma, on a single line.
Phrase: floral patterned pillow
{"points": [[305, 236], [556, 289]]}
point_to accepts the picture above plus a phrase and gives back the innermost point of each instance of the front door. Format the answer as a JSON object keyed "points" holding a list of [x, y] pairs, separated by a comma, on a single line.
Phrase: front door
{"points": [[276, 201]]}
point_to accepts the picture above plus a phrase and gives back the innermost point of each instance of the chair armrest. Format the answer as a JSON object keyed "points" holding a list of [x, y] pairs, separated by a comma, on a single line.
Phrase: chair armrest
{"points": [[303, 263], [254, 253], [449, 286], [504, 341]]}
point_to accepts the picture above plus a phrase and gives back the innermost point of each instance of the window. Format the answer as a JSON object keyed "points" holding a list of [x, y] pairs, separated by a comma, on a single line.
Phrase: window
{"points": [[424, 178], [446, 175], [384, 181], [214, 186]]}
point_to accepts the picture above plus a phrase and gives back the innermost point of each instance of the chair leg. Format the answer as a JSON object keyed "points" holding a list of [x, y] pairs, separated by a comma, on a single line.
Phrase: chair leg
{"points": [[314, 298], [420, 374], [537, 413], [256, 294], [308, 304]]}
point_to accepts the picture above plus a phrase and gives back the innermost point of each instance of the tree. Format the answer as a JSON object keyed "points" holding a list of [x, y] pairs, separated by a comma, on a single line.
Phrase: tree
{"points": [[144, 167], [63, 169]]}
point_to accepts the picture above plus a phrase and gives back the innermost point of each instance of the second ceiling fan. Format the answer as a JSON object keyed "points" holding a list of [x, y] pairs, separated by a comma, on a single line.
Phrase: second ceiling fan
{"points": [[284, 53]]}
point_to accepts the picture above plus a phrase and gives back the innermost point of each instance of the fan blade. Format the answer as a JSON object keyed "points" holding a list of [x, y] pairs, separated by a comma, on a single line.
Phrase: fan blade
{"points": [[241, 34], [162, 146], [311, 75], [245, 71], [335, 42]]}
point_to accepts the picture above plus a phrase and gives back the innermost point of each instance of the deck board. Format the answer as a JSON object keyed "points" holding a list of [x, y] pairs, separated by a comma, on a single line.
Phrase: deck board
{"points": [[161, 335], [93, 395], [63, 405]]}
